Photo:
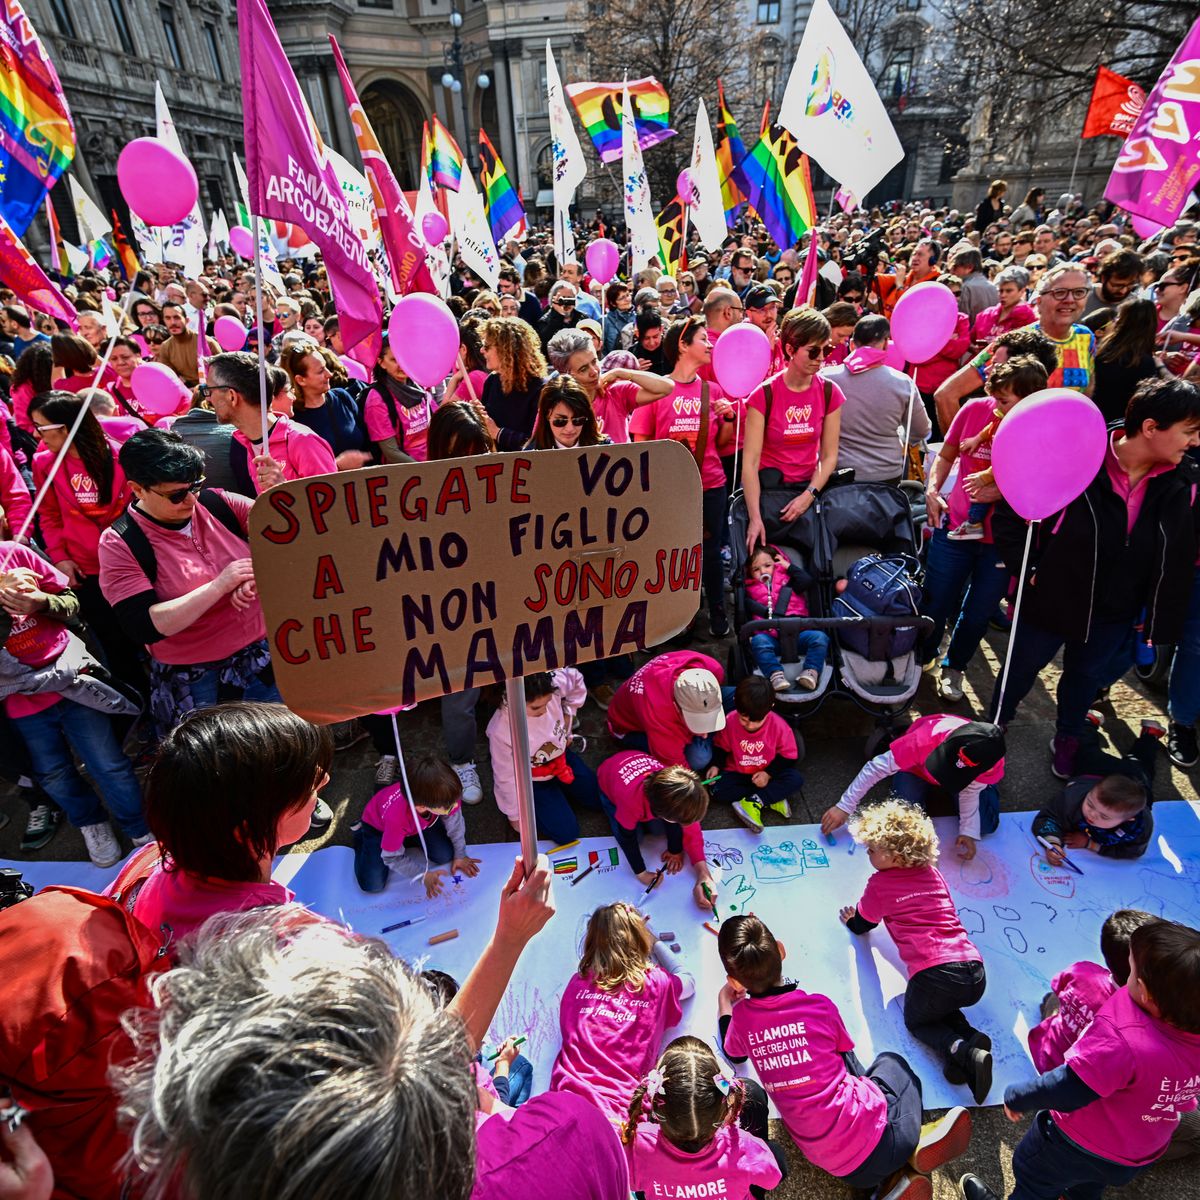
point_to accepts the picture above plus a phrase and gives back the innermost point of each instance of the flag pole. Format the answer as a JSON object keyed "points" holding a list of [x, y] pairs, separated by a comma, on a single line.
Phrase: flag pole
{"points": [[262, 349], [1075, 167]]}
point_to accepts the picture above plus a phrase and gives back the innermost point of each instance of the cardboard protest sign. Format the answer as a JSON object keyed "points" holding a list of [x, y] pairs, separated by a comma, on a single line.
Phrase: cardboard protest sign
{"points": [[394, 584]]}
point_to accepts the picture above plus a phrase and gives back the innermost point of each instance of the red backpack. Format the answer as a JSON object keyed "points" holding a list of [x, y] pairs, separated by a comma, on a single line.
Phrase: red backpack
{"points": [[73, 962]]}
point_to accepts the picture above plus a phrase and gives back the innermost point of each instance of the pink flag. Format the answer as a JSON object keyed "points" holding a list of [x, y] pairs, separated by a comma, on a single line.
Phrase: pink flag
{"points": [[845, 197], [28, 280], [290, 177], [808, 276], [1159, 164], [404, 245]]}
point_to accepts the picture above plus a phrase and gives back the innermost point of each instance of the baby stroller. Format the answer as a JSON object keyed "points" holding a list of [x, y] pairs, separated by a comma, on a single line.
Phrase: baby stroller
{"points": [[848, 522]]}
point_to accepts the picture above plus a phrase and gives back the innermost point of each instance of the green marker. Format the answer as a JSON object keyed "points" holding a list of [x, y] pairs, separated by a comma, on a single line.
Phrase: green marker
{"points": [[519, 1042], [711, 899]]}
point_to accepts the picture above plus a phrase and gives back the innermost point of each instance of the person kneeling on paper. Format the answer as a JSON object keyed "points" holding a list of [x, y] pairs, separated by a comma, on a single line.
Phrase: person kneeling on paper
{"points": [[640, 794], [387, 837]]}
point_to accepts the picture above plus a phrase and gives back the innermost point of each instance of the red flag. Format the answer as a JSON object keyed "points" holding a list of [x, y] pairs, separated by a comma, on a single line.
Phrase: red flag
{"points": [[28, 280], [291, 178], [1116, 102]]}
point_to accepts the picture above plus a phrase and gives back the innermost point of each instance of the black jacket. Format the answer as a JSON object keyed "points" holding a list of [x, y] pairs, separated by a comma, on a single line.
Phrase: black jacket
{"points": [[513, 412], [1085, 568]]}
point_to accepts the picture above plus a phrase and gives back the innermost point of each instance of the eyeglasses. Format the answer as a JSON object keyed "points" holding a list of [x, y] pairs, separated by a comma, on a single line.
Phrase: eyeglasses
{"points": [[179, 496], [207, 390], [563, 422], [1061, 294], [816, 352], [40, 429], [738, 308]]}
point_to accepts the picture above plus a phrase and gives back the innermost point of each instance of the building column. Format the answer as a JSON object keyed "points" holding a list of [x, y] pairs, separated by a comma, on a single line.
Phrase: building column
{"points": [[343, 130], [502, 83]]}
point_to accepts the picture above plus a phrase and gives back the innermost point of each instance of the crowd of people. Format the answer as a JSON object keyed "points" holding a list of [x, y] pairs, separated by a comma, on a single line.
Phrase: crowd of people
{"points": [[140, 706]]}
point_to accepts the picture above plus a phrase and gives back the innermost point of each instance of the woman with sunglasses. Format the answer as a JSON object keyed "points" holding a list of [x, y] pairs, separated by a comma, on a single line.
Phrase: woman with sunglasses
{"points": [[178, 575], [565, 416], [792, 438]]}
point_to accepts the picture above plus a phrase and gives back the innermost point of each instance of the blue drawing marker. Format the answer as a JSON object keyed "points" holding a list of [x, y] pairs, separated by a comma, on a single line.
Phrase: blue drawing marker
{"points": [[830, 840], [402, 924], [1066, 862]]}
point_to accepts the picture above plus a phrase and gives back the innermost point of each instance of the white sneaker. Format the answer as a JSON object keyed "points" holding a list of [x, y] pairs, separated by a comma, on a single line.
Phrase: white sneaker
{"points": [[949, 684], [385, 770], [808, 680], [468, 773], [779, 681], [102, 845], [144, 840]]}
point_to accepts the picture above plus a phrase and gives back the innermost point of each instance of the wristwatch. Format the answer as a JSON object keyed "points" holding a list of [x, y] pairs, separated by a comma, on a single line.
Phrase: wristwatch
{"points": [[815, 493]]}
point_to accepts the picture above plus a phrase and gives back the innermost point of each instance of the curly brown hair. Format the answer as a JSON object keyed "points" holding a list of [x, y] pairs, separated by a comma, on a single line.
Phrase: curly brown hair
{"points": [[518, 352]]}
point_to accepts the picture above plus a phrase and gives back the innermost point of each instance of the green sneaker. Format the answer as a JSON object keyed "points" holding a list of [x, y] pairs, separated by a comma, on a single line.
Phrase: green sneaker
{"points": [[783, 808], [749, 812]]}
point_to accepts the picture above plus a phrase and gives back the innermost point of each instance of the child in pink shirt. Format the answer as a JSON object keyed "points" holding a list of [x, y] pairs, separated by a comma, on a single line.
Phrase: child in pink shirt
{"points": [[945, 971], [615, 1010], [1114, 1105], [862, 1125], [1077, 994], [759, 750], [771, 592], [695, 1131]]}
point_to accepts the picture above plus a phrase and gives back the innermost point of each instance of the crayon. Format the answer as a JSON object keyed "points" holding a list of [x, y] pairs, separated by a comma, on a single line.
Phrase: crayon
{"points": [[667, 937], [1066, 862], [711, 928], [402, 924], [712, 900], [655, 881], [565, 846], [581, 874], [448, 936], [830, 840], [519, 1042], [712, 779]]}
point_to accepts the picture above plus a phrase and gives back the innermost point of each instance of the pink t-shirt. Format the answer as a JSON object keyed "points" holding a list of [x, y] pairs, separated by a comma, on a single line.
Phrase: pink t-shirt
{"points": [[1082, 990], [972, 418], [911, 749], [748, 752], [35, 639], [611, 1039], [677, 417], [528, 1151], [388, 811], [613, 407], [185, 901], [792, 438], [1134, 494], [1146, 1073], [297, 449], [796, 1041], [623, 780], [478, 379], [413, 421], [914, 903], [726, 1168]]}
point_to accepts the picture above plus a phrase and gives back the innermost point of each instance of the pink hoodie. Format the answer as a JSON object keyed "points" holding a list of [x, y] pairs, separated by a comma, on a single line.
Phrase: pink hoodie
{"points": [[757, 591], [14, 495]]}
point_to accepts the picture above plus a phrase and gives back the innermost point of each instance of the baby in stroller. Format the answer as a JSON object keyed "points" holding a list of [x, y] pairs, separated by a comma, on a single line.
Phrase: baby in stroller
{"points": [[774, 589]]}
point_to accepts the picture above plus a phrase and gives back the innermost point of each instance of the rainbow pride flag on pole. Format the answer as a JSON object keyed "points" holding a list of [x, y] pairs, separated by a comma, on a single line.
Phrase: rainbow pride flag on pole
{"points": [[779, 186], [599, 108], [505, 212], [731, 150], [37, 135], [445, 157]]}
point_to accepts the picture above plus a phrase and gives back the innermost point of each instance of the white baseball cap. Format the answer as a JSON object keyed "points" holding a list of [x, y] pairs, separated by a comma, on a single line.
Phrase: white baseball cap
{"points": [[698, 695]]}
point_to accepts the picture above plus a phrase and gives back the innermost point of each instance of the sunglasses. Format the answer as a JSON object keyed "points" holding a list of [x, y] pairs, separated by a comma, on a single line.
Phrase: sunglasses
{"points": [[563, 422], [179, 496], [564, 303], [206, 390], [816, 352], [855, 299], [40, 429]]}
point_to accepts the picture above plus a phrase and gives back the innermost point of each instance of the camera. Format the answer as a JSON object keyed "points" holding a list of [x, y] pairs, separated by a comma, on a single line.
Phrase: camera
{"points": [[862, 257], [13, 889]]}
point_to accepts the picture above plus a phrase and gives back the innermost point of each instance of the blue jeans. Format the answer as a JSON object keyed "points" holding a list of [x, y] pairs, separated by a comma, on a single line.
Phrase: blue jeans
{"points": [[372, 872], [520, 1081], [1184, 696], [52, 734], [552, 798], [920, 791], [698, 753], [901, 1090], [977, 513], [811, 644], [1087, 667], [734, 786], [1047, 1164], [949, 568], [205, 691]]}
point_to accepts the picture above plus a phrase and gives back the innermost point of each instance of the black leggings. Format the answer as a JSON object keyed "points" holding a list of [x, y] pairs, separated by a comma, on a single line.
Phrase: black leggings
{"points": [[755, 1112], [714, 504]]}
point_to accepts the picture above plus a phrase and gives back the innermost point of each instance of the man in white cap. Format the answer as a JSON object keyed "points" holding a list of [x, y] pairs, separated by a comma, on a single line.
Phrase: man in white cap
{"points": [[671, 707]]}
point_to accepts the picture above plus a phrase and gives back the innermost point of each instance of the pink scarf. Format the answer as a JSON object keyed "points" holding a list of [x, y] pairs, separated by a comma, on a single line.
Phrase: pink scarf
{"points": [[863, 358]]}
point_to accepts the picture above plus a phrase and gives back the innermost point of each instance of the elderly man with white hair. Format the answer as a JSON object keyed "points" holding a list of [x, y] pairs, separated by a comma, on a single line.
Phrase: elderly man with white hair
{"points": [[561, 312]]}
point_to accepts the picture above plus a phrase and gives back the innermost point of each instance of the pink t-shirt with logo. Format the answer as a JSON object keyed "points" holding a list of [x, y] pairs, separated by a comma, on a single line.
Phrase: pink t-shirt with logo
{"points": [[34, 639], [611, 1039], [1146, 1073], [1082, 991], [752, 752], [677, 417], [413, 421], [622, 779], [614, 406], [726, 1168], [796, 1041], [914, 903], [389, 812], [792, 437]]}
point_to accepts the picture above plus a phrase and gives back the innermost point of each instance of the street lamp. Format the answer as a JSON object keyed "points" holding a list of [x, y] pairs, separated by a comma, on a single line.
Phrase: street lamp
{"points": [[454, 76]]}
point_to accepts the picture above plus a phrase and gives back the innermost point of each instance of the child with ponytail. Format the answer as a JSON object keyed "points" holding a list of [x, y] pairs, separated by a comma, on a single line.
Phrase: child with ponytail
{"points": [[695, 1131]]}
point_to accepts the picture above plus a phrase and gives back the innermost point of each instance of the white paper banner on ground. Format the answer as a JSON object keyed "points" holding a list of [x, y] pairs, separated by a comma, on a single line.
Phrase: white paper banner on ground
{"points": [[1028, 920]]}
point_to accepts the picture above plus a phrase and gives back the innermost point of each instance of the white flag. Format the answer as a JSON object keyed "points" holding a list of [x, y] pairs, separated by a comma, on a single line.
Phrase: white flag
{"points": [[708, 213], [78, 260], [639, 215], [267, 260], [183, 242], [833, 109], [470, 225], [93, 224], [218, 234], [570, 168], [149, 239]]}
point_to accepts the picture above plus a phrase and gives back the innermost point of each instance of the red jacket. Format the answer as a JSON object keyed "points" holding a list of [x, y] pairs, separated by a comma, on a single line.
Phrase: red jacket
{"points": [[932, 374]]}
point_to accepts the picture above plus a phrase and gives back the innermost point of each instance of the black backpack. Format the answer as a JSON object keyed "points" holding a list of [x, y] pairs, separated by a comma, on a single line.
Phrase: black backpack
{"points": [[131, 533], [879, 585]]}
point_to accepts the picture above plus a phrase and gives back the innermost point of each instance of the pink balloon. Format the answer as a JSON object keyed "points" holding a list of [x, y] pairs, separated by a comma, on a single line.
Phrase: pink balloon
{"points": [[924, 319], [241, 242], [423, 336], [602, 257], [685, 187], [158, 184], [230, 333], [158, 389], [1143, 228], [741, 359], [1035, 480], [355, 369], [894, 356], [434, 228]]}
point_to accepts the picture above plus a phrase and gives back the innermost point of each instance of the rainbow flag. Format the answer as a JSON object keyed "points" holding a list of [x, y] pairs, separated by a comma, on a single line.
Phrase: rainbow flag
{"points": [[731, 150], [101, 254], [779, 186], [446, 158], [37, 136], [565, 866], [505, 212], [669, 224], [599, 108], [126, 258]]}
